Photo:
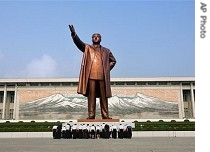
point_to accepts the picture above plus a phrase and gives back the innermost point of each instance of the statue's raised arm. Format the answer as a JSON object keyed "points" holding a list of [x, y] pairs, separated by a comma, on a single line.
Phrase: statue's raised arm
{"points": [[71, 27], [76, 39]]}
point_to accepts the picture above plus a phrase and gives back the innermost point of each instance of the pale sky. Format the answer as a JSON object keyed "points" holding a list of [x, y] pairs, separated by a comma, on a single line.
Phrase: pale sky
{"points": [[148, 38]]}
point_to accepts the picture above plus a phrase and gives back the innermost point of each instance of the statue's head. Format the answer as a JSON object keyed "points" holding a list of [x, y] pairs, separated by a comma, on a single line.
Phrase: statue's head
{"points": [[96, 38]]}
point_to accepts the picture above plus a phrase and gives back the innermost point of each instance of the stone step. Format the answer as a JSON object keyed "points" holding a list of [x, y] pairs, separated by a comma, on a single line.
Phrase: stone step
{"points": [[95, 122]]}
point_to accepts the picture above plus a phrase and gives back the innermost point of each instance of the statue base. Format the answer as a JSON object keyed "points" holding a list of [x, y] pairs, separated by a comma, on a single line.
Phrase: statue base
{"points": [[98, 120]]}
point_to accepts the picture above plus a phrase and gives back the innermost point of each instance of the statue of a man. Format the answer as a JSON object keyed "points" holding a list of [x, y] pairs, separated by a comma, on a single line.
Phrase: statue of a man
{"points": [[94, 79]]}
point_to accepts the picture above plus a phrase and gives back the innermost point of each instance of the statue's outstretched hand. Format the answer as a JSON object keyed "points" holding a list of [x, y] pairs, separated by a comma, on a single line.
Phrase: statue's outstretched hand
{"points": [[71, 27]]}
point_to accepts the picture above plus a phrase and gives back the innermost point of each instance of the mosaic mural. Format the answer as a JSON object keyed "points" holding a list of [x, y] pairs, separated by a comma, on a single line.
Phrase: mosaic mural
{"points": [[74, 106]]}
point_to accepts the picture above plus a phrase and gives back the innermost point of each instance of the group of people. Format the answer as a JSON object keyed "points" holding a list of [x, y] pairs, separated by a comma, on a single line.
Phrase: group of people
{"points": [[91, 131]]}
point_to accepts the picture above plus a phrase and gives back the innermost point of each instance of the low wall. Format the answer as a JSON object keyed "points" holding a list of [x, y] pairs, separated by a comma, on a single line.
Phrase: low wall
{"points": [[135, 134]]}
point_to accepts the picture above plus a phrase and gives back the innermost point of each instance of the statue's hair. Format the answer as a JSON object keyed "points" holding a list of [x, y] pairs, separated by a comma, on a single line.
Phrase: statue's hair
{"points": [[96, 34]]}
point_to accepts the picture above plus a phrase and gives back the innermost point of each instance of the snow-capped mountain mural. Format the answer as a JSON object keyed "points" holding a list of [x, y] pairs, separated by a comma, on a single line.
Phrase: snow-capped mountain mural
{"points": [[72, 106]]}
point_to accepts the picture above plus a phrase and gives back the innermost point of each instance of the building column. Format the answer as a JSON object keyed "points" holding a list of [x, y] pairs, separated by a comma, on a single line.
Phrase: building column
{"points": [[4, 103], [181, 104], [16, 105], [192, 100]]}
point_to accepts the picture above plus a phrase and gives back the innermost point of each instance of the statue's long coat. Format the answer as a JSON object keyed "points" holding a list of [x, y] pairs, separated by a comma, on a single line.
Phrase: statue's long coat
{"points": [[108, 62]]}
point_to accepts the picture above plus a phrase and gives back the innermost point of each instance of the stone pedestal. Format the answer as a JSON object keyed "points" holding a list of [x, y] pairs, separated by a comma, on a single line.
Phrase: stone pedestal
{"points": [[110, 122], [98, 120]]}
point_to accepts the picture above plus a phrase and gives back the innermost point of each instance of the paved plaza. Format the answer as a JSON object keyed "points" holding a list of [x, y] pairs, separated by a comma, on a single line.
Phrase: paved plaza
{"points": [[136, 144]]}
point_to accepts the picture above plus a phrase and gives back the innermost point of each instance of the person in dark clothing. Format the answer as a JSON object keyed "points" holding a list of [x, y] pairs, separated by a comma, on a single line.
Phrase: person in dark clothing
{"points": [[129, 132], [114, 131], [74, 131], [54, 130], [58, 133], [120, 131], [107, 132], [92, 131], [68, 128]]}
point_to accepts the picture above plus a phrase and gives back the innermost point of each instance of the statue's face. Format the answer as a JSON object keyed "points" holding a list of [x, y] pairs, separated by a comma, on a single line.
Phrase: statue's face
{"points": [[96, 38]]}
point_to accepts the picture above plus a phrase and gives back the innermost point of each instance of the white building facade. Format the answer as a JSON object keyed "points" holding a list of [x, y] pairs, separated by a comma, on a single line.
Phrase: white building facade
{"points": [[57, 98]]}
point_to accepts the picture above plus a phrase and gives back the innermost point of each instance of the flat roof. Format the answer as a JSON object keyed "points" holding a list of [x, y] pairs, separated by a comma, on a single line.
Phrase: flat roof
{"points": [[25, 80]]}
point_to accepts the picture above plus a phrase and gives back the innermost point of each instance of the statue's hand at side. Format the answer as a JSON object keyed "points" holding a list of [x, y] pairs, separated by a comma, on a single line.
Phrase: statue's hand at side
{"points": [[71, 27]]}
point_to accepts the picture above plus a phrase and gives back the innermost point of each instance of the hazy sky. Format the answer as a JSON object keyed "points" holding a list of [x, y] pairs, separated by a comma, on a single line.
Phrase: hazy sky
{"points": [[148, 38]]}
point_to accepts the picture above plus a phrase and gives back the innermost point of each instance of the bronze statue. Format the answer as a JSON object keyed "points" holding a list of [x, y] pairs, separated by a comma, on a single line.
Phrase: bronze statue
{"points": [[94, 79]]}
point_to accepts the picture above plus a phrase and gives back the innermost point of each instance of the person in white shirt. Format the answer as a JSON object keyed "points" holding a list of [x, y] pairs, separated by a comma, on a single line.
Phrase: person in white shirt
{"points": [[120, 131], [125, 131], [63, 130], [98, 131], [88, 131], [84, 131], [68, 130], [92, 130], [103, 130], [80, 131], [114, 131], [54, 130], [74, 131]]}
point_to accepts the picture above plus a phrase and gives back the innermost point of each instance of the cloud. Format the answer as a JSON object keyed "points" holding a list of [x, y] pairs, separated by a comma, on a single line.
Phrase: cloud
{"points": [[42, 67]]}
